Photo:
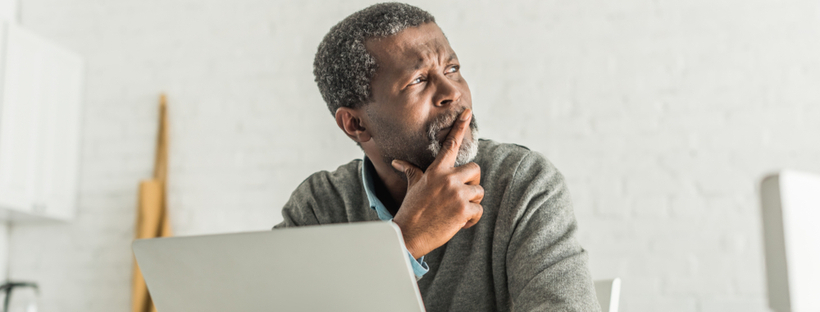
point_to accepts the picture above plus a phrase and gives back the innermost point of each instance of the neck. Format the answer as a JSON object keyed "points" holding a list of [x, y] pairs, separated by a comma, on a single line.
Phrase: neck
{"points": [[391, 186]]}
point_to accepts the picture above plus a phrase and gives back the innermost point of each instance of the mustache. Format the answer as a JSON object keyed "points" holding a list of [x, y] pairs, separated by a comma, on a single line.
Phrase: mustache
{"points": [[445, 121]]}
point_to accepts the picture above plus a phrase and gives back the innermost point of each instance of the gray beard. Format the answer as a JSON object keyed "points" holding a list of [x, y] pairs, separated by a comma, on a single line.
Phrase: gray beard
{"points": [[468, 149], [423, 149], [466, 153]]}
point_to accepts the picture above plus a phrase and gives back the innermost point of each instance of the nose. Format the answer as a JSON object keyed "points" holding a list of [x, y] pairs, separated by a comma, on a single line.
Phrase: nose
{"points": [[447, 92]]}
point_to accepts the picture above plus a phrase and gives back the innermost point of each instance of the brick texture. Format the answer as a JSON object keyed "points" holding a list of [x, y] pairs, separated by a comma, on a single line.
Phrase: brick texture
{"points": [[663, 115]]}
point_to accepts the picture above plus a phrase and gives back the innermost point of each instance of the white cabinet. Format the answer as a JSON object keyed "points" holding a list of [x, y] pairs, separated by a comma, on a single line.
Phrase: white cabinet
{"points": [[9, 10], [40, 93]]}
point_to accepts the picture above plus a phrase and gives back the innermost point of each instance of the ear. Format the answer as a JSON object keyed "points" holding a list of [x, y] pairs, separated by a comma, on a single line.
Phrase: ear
{"points": [[351, 123]]}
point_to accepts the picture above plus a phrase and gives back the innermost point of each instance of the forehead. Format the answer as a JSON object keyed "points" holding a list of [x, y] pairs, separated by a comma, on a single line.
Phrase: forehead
{"points": [[410, 49]]}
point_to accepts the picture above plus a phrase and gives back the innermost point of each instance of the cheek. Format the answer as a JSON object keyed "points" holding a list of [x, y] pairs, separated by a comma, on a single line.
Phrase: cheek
{"points": [[414, 125], [465, 93], [415, 112], [396, 123], [419, 102]]}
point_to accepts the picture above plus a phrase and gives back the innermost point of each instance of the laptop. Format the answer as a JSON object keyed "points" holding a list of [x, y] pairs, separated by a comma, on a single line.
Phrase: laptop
{"points": [[358, 267]]}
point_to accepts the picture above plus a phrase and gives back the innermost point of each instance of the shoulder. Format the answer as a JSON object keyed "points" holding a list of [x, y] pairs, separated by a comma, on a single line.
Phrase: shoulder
{"points": [[349, 173], [519, 178], [487, 147], [528, 188], [331, 184], [326, 197], [512, 159]]}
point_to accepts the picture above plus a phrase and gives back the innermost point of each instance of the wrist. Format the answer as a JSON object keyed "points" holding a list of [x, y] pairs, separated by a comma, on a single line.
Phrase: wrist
{"points": [[412, 249], [410, 242]]}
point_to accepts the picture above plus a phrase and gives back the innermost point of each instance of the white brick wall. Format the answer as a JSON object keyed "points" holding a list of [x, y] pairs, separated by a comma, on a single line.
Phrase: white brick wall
{"points": [[662, 114], [8, 13]]}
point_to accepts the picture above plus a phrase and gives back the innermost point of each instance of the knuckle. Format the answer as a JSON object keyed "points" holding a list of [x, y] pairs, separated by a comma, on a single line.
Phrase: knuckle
{"points": [[464, 209], [451, 180], [463, 197], [471, 169], [450, 144]]}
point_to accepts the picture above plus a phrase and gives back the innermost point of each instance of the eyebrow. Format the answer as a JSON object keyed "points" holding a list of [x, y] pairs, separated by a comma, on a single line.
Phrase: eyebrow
{"points": [[420, 61]]}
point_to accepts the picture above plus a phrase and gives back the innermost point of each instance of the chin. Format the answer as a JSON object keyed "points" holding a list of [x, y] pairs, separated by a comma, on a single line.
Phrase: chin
{"points": [[466, 153]]}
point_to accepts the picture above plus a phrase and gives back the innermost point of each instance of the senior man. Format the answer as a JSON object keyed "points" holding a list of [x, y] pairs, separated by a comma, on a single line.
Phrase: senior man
{"points": [[488, 226]]}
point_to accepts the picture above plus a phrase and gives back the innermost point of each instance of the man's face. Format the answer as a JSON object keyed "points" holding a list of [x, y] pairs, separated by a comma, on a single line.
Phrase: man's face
{"points": [[418, 92]]}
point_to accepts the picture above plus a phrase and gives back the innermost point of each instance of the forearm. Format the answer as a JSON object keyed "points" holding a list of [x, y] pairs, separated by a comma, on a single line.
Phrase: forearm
{"points": [[563, 286]]}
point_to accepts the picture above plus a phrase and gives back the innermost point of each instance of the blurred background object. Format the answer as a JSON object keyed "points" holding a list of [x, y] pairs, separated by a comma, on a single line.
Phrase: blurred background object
{"points": [[791, 211], [18, 297], [662, 115], [40, 111], [41, 84], [152, 210], [609, 294]]}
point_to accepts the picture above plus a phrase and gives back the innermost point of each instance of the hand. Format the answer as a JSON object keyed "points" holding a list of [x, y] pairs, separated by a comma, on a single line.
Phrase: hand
{"points": [[442, 200]]}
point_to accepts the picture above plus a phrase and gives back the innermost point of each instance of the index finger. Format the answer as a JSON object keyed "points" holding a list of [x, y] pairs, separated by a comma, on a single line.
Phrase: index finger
{"points": [[449, 149]]}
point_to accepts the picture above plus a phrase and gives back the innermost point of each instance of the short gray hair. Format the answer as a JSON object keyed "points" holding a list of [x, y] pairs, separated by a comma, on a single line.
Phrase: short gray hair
{"points": [[343, 67]]}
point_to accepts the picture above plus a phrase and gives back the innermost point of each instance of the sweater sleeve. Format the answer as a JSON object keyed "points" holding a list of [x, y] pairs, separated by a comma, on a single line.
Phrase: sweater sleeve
{"points": [[547, 268], [299, 209]]}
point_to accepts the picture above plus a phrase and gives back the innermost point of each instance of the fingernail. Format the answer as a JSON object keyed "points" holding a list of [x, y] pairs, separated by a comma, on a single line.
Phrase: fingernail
{"points": [[395, 164], [466, 114]]}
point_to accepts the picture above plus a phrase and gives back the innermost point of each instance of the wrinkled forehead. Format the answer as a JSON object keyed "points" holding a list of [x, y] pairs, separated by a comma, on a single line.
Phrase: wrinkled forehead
{"points": [[410, 49]]}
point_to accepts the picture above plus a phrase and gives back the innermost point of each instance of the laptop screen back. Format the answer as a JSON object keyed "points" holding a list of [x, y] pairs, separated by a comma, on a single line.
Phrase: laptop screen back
{"points": [[345, 267]]}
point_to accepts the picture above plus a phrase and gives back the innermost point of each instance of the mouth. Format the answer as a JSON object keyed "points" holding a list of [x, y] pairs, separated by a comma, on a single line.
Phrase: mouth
{"points": [[442, 134], [442, 127]]}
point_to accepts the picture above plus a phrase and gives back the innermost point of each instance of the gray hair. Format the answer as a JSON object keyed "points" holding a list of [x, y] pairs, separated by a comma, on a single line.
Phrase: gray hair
{"points": [[343, 67]]}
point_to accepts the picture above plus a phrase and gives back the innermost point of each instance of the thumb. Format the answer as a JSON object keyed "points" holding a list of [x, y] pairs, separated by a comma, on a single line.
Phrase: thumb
{"points": [[412, 172]]}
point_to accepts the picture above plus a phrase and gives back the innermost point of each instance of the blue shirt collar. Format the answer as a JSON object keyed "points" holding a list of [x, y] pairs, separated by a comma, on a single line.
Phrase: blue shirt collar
{"points": [[370, 190], [419, 267]]}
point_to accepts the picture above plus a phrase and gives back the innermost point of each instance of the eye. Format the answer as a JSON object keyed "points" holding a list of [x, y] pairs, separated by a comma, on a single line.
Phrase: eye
{"points": [[417, 80], [453, 69]]}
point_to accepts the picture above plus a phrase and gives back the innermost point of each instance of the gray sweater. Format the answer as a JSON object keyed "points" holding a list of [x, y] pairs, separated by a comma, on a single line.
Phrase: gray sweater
{"points": [[521, 256]]}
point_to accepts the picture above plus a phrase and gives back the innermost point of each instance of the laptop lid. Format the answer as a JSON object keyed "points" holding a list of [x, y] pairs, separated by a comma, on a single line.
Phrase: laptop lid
{"points": [[342, 267]]}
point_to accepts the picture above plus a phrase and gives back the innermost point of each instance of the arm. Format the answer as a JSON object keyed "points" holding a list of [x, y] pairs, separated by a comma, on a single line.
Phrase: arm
{"points": [[547, 268], [298, 211]]}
